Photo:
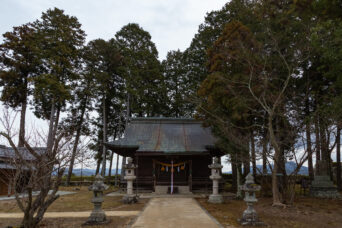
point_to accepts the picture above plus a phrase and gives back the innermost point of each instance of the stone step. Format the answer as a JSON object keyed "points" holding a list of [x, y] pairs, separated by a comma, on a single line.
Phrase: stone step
{"points": [[160, 189]]}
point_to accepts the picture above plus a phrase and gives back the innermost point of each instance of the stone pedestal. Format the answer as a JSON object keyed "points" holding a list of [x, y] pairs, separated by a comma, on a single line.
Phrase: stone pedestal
{"points": [[215, 176], [322, 186], [97, 216], [130, 177], [249, 216]]}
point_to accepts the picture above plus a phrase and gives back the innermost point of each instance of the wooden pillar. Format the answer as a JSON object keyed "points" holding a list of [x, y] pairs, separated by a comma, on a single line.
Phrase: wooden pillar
{"points": [[154, 175], [136, 173], [9, 187], [190, 175]]}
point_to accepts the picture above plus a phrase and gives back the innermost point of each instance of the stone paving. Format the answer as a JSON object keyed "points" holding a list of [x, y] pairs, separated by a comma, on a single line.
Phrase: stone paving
{"points": [[174, 212]]}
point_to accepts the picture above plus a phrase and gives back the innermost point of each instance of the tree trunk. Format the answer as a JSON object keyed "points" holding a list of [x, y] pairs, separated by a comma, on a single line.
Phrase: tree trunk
{"points": [[309, 148], [104, 139], [111, 159], [128, 115], [98, 166], [246, 165], [318, 142], [253, 155], [50, 134], [123, 163], [238, 180], [282, 181], [22, 123], [324, 145], [110, 164], [234, 174], [277, 156], [338, 158], [116, 169], [77, 137], [264, 152], [308, 138]]}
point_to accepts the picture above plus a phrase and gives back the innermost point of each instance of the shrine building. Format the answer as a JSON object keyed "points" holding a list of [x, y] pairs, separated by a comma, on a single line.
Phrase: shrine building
{"points": [[169, 152]]}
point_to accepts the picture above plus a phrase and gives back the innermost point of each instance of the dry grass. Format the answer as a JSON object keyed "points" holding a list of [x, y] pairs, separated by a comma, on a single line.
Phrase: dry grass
{"points": [[305, 213], [117, 222], [80, 201]]}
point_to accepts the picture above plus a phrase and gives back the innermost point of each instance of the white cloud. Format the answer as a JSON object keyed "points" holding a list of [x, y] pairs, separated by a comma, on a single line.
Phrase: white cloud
{"points": [[171, 23]]}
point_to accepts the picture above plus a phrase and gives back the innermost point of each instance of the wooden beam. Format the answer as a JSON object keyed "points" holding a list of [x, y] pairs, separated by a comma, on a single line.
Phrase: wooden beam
{"points": [[190, 175]]}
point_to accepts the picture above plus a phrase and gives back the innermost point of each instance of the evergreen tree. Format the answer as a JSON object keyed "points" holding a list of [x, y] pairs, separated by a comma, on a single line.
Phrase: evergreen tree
{"points": [[178, 85], [60, 41], [146, 93], [18, 59], [102, 63]]}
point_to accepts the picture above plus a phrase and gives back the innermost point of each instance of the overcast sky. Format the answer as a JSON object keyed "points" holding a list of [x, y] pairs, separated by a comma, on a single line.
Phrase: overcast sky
{"points": [[171, 23]]}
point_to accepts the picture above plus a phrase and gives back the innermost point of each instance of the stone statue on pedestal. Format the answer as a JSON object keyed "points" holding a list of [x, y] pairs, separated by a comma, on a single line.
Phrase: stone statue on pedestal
{"points": [[130, 177], [97, 216], [215, 176], [322, 186], [250, 217]]}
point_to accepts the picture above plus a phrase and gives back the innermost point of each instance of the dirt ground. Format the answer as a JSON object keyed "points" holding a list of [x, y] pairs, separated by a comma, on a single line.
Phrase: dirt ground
{"points": [[304, 213], [115, 222]]}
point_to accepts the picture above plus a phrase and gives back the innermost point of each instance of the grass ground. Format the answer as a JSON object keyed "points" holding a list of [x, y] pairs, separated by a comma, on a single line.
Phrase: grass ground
{"points": [[117, 222], [304, 213], [80, 201]]}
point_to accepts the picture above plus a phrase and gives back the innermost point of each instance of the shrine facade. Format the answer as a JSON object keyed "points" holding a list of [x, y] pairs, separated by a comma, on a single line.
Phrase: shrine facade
{"points": [[169, 152]]}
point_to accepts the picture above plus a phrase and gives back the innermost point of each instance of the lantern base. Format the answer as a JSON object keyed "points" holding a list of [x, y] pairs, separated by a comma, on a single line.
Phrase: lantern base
{"points": [[96, 218], [130, 199], [250, 217], [215, 198]]}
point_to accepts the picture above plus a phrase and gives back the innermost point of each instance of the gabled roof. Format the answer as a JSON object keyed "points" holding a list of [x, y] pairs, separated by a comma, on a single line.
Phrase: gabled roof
{"points": [[164, 135]]}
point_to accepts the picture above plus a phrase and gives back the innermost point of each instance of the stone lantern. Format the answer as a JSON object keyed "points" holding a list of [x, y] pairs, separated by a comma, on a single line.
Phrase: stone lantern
{"points": [[322, 186], [249, 216], [97, 216], [215, 176], [130, 177]]}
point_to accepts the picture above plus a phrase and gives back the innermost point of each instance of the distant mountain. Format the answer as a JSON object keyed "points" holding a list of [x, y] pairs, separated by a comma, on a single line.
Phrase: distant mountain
{"points": [[89, 172], [290, 167]]}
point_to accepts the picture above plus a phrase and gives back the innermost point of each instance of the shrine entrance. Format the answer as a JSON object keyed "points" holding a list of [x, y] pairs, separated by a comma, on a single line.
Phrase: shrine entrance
{"points": [[172, 172], [168, 151]]}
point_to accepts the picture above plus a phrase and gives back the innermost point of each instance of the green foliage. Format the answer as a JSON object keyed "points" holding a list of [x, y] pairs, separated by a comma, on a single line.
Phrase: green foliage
{"points": [[103, 61], [18, 61], [142, 71], [252, 66], [178, 85], [60, 40]]}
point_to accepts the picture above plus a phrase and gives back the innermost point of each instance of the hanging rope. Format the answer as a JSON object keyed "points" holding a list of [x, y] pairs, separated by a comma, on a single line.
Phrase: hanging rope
{"points": [[170, 165]]}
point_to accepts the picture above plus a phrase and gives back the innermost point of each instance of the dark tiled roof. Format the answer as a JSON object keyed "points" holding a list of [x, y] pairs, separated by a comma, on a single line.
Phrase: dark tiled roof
{"points": [[165, 135], [8, 152]]}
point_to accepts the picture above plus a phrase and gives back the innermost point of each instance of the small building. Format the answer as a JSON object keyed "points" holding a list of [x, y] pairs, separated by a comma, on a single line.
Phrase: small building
{"points": [[168, 151], [8, 168]]}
